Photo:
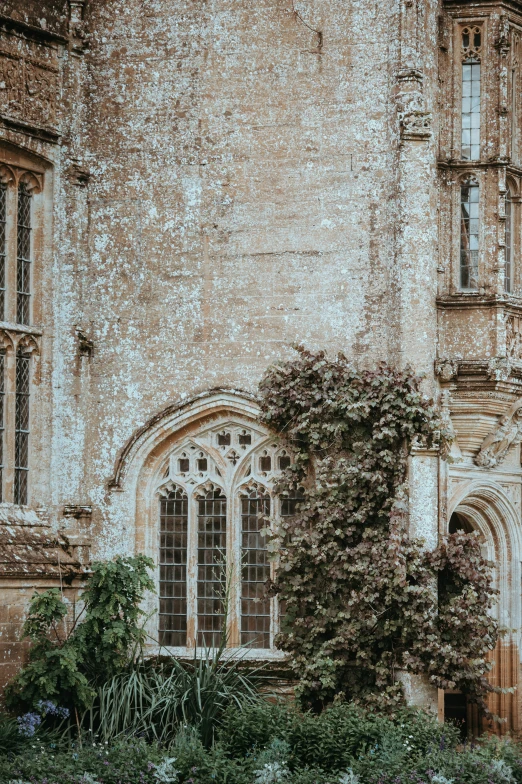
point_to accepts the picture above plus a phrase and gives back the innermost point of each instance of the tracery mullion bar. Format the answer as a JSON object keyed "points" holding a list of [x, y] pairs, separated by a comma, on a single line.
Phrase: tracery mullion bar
{"points": [[23, 255]]}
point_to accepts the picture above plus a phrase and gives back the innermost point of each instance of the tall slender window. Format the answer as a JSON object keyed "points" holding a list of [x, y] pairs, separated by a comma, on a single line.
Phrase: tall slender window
{"points": [[212, 547], [508, 283], [3, 222], [23, 267], [469, 236], [470, 115], [255, 571], [173, 569], [2, 421], [23, 369]]}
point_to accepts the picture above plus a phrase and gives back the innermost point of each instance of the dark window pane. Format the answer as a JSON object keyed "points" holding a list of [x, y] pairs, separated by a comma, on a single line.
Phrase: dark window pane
{"points": [[23, 369], [255, 571], [212, 548], [23, 266], [173, 578]]}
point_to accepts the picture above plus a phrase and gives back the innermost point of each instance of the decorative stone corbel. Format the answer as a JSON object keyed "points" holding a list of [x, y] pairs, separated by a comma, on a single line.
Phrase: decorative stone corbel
{"points": [[446, 369], [415, 124], [499, 369], [497, 444]]}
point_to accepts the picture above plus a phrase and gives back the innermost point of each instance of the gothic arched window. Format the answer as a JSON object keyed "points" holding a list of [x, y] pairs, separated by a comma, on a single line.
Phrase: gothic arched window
{"points": [[470, 114], [216, 497]]}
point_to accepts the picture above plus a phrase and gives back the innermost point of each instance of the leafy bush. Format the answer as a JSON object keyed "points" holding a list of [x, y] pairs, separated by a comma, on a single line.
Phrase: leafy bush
{"points": [[153, 701], [62, 664], [360, 594], [408, 748]]}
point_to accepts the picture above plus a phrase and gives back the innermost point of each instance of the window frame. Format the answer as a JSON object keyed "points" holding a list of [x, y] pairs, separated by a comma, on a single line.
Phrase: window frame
{"points": [[234, 483]]}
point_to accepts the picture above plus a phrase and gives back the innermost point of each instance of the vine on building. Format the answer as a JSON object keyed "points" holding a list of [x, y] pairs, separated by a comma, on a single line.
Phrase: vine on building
{"points": [[364, 600]]}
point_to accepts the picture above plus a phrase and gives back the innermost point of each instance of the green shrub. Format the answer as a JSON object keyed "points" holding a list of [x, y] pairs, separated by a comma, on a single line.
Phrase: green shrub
{"points": [[155, 701], [63, 664]]}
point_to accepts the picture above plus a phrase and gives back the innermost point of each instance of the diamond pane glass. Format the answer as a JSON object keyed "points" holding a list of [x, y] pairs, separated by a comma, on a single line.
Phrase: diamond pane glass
{"points": [[173, 569], [22, 429], [23, 266], [255, 571], [212, 522]]}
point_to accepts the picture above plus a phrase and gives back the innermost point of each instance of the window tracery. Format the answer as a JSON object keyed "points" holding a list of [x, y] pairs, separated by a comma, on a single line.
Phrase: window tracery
{"points": [[216, 493], [471, 78], [19, 185]]}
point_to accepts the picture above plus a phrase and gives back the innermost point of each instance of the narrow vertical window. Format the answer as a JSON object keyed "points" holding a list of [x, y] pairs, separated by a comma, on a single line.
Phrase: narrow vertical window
{"points": [[212, 543], [509, 243], [469, 236], [2, 422], [173, 569], [470, 115], [255, 571], [22, 429], [23, 268], [3, 239]]}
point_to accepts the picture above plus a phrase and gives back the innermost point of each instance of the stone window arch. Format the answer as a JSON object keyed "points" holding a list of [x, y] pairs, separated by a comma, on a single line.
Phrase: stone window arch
{"points": [[216, 494], [25, 241]]}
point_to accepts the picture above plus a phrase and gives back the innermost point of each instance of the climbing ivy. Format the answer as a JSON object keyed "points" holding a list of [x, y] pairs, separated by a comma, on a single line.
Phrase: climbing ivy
{"points": [[360, 595]]}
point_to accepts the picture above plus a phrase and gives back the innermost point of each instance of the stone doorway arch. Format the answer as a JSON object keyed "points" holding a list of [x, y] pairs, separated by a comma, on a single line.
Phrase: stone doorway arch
{"points": [[486, 508]]}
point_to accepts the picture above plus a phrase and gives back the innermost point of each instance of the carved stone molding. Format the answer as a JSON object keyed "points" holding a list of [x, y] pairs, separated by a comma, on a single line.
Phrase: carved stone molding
{"points": [[28, 89], [13, 175], [415, 124], [18, 340], [497, 444], [514, 338], [446, 369], [499, 369]]}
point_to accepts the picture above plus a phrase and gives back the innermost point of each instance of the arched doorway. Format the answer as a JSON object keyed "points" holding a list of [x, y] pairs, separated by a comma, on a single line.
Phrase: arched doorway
{"points": [[487, 509]]}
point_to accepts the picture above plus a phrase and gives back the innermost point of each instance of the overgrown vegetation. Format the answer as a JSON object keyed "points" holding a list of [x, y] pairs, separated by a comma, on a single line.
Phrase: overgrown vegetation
{"points": [[270, 743], [363, 600], [67, 661], [360, 593]]}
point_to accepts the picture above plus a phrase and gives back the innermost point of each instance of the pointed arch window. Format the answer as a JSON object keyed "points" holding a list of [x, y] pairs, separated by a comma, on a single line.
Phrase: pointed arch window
{"points": [[471, 86], [216, 498]]}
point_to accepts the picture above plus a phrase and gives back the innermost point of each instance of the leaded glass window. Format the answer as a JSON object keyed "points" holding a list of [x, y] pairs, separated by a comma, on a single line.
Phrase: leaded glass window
{"points": [[470, 111], [469, 235], [509, 243], [173, 568], [23, 369], [23, 267], [212, 554], [255, 569], [2, 422], [217, 497], [3, 247]]}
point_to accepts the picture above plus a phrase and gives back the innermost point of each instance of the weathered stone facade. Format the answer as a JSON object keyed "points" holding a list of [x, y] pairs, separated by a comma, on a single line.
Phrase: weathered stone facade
{"points": [[210, 182]]}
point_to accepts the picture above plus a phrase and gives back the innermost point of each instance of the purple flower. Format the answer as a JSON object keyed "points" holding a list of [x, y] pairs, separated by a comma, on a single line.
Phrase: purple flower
{"points": [[28, 723]]}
